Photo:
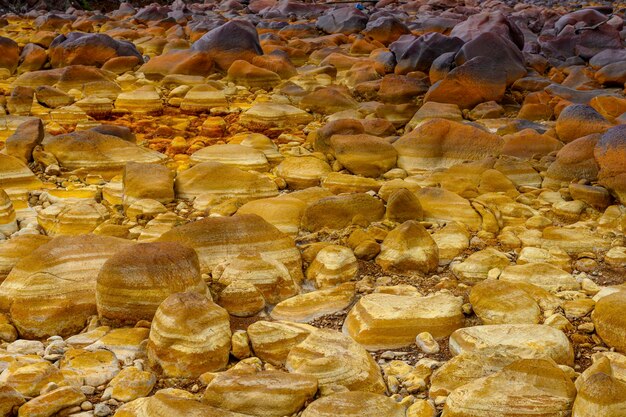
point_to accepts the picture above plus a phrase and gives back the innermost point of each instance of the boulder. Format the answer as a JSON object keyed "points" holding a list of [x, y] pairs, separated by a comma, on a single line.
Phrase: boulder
{"points": [[93, 49]]}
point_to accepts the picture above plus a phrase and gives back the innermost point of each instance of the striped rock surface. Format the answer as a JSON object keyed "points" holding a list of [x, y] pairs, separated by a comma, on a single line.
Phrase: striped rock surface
{"points": [[190, 335], [171, 402], [8, 225], [52, 291], [11, 251], [72, 218], [387, 321], [332, 265], [355, 404], [284, 211], [218, 239], [272, 340], [260, 393], [16, 178], [219, 182], [98, 153], [336, 360], [134, 281], [142, 100], [269, 115], [309, 306], [238, 156], [535, 387]]}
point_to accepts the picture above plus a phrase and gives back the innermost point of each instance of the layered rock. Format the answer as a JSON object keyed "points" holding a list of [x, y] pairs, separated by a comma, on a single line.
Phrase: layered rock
{"points": [[72, 219], [364, 154], [52, 290], [409, 248], [388, 321], [340, 211], [441, 143], [152, 181], [273, 340], [189, 335], [132, 283], [354, 404], [608, 320], [332, 265], [95, 49], [217, 239], [309, 306], [238, 156], [336, 361]]}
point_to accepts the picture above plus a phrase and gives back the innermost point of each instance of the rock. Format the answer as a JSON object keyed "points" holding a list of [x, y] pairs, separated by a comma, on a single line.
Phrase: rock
{"points": [[505, 55], [302, 171], [337, 362], [92, 368], [402, 206], [364, 154], [10, 53], [409, 248], [127, 344], [501, 302], [52, 402], [94, 49], [170, 402], [273, 340], [440, 204], [178, 61], [131, 383], [360, 404], [489, 22], [601, 390], [264, 116], [543, 275], [189, 335], [284, 212], [578, 120], [525, 341], [309, 306], [151, 181], [368, 322], [538, 386], [478, 264], [29, 377], [608, 320], [135, 280], [441, 143], [332, 265], [608, 153], [527, 144], [270, 277], [15, 177], [260, 393], [340, 211], [72, 219], [217, 239], [238, 156], [344, 20], [385, 29], [217, 182], [418, 54], [232, 41], [202, 98], [144, 100], [11, 251], [574, 161], [105, 155], [10, 398], [65, 270], [476, 81], [21, 143], [8, 224], [244, 73], [452, 240]]}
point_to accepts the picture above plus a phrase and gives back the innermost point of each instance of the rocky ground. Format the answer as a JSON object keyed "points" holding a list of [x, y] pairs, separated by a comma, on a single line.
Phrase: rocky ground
{"points": [[279, 208]]}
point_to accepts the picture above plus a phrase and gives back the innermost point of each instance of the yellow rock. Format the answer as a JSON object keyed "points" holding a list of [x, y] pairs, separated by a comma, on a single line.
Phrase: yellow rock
{"points": [[52, 402], [338, 212], [30, 378], [502, 302], [134, 281], [94, 368], [218, 239], [409, 248], [16, 178], [260, 393], [272, 340], [72, 218], [190, 335], [11, 251], [339, 183], [439, 204], [10, 399], [452, 240], [284, 212], [354, 404], [238, 156], [270, 277], [131, 383], [478, 264], [269, 115], [544, 275], [536, 386], [332, 265], [302, 171], [219, 182], [241, 299], [526, 341], [143, 100], [127, 344], [610, 321], [387, 321], [52, 290], [309, 306], [337, 361], [8, 225]]}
